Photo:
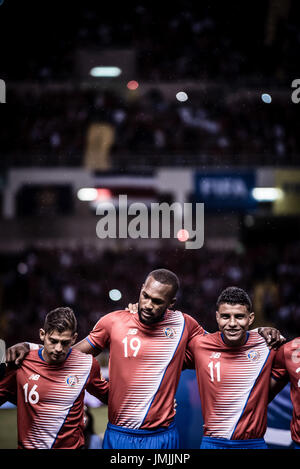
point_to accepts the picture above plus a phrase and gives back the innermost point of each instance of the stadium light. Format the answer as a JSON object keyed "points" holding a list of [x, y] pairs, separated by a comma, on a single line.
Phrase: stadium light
{"points": [[87, 194], [267, 194], [115, 295], [132, 85], [182, 96], [105, 72], [183, 235], [104, 194], [266, 98]]}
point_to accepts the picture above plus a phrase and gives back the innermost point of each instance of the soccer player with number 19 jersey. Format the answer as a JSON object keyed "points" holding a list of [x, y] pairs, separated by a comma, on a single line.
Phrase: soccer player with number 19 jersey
{"points": [[147, 351]]}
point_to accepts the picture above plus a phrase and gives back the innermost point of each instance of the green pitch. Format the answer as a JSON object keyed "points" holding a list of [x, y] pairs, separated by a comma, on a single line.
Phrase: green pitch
{"points": [[8, 425]]}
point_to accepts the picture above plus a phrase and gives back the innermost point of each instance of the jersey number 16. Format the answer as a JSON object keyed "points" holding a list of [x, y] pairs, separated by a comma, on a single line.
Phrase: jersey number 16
{"points": [[33, 396]]}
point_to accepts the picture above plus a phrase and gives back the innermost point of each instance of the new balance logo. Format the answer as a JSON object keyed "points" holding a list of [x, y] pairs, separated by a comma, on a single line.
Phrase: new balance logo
{"points": [[215, 355], [34, 377], [132, 332]]}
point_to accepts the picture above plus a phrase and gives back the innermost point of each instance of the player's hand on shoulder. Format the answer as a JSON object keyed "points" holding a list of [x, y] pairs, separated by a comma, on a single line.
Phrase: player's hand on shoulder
{"points": [[132, 307], [17, 353], [272, 336]]}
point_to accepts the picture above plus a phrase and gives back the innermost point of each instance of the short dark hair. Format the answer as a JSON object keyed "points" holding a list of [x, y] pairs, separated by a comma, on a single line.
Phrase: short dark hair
{"points": [[235, 296], [60, 319], [167, 277]]}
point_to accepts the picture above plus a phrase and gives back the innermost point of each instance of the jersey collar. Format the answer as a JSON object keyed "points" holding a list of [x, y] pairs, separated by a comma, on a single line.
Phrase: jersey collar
{"points": [[247, 337], [42, 358]]}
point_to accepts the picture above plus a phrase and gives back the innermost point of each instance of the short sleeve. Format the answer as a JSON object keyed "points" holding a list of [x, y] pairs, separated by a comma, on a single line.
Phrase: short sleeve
{"points": [[99, 337], [279, 369], [8, 386], [97, 385], [194, 331]]}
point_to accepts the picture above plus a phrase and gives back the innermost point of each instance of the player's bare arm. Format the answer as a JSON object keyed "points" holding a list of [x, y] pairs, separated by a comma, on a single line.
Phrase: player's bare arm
{"points": [[17, 353], [276, 386], [85, 347], [271, 335]]}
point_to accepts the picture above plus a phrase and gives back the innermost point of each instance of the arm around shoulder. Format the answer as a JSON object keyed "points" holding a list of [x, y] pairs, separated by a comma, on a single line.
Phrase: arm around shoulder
{"points": [[97, 385], [16, 353], [85, 346]]}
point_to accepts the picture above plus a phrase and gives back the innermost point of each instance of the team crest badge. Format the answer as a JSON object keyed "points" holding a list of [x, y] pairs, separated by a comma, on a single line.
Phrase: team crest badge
{"points": [[169, 332], [253, 355], [71, 380]]}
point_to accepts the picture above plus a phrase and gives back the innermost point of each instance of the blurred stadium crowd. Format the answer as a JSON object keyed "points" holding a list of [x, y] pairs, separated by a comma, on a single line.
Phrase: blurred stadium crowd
{"points": [[194, 40], [205, 44], [40, 279], [52, 129]]}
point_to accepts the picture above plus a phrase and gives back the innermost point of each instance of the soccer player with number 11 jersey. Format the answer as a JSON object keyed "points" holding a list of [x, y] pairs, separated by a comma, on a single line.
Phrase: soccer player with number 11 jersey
{"points": [[233, 369]]}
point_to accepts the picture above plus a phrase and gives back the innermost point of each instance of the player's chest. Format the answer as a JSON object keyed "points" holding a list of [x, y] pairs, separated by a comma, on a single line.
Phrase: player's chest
{"points": [[132, 342], [218, 367], [52, 388]]}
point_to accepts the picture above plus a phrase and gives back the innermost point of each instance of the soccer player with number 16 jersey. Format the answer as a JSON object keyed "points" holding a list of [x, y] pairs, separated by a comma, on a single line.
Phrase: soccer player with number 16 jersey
{"points": [[48, 387]]}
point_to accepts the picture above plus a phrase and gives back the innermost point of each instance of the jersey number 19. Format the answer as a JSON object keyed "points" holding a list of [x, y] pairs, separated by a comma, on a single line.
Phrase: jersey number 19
{"points": [[134, 345]]}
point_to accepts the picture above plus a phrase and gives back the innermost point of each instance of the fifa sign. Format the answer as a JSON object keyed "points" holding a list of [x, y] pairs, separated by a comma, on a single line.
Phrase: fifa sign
{"points": [[2, 91]]}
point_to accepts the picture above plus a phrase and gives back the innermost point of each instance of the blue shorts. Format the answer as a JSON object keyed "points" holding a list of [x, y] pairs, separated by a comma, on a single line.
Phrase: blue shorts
{"points": [[296, 445], [127, 438], [221, 443]]}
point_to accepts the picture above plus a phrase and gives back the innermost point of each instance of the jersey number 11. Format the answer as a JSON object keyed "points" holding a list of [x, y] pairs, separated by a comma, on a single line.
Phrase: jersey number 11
{"points": [[217, 367]]}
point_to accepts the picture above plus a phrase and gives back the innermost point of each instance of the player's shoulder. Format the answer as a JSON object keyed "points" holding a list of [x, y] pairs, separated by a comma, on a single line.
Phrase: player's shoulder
{"points": [[204, 340], [33, 360], [117, 314], [256, 340], [189, 319], [77, 355], [292, 345], [110, 318], [32, 356], [254, 337], [177, 315], [212, 337], [193, 327]]}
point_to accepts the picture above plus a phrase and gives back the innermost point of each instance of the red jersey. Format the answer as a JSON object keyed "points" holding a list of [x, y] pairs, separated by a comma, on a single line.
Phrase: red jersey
{"points": [[50, 399], [233, 385], [288, 366], [145, 365]]}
